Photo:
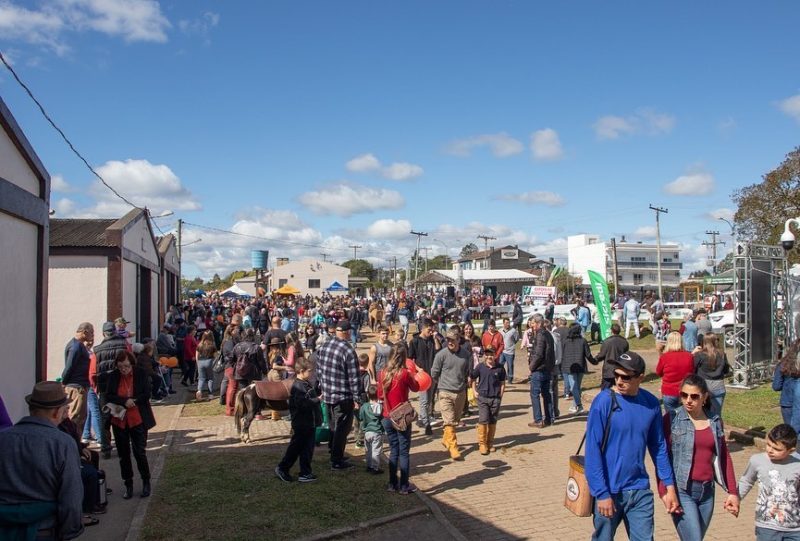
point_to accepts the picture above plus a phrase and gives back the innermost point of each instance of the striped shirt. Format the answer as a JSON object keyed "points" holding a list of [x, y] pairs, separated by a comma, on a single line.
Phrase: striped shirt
{"points": [[337, 370]]}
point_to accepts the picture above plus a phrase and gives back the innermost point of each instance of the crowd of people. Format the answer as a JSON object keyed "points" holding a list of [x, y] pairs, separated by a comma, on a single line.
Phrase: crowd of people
{"points": [[107, 389]]}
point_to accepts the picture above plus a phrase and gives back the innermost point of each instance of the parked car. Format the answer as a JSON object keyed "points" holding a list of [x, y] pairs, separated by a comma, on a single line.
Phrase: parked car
{"points": [[722, 323]]}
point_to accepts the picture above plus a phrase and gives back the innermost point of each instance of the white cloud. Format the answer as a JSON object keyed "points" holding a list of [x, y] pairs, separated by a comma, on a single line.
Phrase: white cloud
{"points": [[646, 232], [345, 199], [366, 163], [65, 208], [201, 26], [791, 106], [546, 145], [389, 229], [644, 121], [363, 163], [550, 199], [58, 184], [721, 213], [131, 20], [697, 183], [501, 145], [401, 171]]}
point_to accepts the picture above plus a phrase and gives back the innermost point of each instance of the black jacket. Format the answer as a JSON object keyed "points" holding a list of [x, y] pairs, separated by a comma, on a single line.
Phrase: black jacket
{"points": [[106, 354], [141, 394], [575, 352], [423, 350], [542, 357], [611, 348], [516, 315]]}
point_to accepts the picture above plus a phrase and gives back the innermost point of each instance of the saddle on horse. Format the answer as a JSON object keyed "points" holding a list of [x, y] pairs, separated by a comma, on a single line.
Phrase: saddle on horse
{"points": [[274, 390]]}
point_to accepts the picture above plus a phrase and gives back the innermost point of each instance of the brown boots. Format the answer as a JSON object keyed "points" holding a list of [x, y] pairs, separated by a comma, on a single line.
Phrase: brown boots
{"points": [[490, 437], [450, 442], [483, 439]]}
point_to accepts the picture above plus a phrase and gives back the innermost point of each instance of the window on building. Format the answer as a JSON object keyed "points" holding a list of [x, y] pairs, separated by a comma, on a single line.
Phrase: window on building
{"points": [[313, 284], [638, 279], [282, 282], [675, 256], [638, 258], [667, 260], [619, 277], [653, 277]]}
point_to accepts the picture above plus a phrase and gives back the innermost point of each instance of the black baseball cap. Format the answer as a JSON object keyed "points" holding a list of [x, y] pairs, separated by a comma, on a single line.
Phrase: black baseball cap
{"points": [[630, 361]]}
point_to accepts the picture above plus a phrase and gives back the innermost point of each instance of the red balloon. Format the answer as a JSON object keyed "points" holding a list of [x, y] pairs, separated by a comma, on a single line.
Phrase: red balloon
{"points": [[424, 380], [412, 366]]}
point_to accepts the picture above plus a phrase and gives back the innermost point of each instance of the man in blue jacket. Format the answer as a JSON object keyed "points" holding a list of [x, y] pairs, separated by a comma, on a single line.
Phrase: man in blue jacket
{"points": [[615, 471]]}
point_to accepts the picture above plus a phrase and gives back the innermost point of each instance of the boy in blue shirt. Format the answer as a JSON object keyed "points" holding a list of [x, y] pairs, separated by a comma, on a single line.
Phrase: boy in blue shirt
{"points": [[615, 467]]}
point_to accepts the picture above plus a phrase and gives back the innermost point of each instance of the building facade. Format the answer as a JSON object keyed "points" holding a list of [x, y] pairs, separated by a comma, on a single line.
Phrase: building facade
{"points": [[637, 263], [24, 231], [170, 284], [310, 276], [101, 269], [508, 257]]}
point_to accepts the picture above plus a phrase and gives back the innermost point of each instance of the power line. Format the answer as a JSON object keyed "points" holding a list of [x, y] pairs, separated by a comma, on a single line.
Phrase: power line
{"points": [[61, 133]]}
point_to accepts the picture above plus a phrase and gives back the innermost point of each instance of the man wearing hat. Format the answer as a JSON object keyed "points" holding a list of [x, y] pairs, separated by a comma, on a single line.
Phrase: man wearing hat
{"points": [[41, 486], [629, 420], [450, 369], [75, 376], [339, 378]]}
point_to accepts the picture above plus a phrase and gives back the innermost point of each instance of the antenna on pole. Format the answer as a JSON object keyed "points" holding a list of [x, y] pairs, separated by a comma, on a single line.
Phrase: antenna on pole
{"points": [[355, 251], [659, 210], [416, 255], [324, 256], [486, 240]]}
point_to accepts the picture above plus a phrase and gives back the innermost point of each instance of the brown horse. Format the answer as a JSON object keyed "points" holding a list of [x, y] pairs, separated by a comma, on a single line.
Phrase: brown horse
{"points": [[251, 399]]}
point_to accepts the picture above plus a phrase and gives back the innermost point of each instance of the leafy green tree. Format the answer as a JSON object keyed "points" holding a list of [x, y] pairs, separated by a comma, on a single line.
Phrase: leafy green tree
{"points": [[439, 262], [700, 274], [726, 263], [764, 207], [360, 267], [468, 249]]}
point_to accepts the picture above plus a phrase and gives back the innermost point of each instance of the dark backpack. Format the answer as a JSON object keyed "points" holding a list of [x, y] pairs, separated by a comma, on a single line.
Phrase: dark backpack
{"points": [[246, 362]]}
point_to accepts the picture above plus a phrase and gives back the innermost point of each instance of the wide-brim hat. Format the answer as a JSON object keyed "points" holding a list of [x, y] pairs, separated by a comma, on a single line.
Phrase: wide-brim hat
{"points": [[275, 341], [48, 395]]}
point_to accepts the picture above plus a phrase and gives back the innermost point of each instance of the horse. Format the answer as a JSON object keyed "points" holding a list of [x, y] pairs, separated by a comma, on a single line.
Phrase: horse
{"points": [[250, 400]]}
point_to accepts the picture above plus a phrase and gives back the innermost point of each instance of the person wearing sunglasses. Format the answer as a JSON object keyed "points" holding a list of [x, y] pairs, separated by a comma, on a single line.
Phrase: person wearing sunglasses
{"points": [[624, 423], [696, 442]]}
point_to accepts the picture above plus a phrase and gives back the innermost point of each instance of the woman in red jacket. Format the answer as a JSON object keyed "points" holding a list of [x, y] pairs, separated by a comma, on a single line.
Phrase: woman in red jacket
{"points": [[394, 383], [673, 366]]}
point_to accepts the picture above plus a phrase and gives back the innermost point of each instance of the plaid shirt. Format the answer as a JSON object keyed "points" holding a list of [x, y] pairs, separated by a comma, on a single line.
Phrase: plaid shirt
{"points": [[337, 370]]}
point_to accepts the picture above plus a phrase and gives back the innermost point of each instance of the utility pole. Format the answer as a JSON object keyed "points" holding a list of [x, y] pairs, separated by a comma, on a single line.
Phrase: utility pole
{"points": [[486, 240], [426, 257], [355, 251], [659, 210], [394, 279], [713, 245], [416, 256], [324, 257], [614, 260]]}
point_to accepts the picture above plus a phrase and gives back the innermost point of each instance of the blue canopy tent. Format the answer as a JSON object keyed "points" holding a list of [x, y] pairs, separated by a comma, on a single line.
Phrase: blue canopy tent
{"points": [[336, 286]]}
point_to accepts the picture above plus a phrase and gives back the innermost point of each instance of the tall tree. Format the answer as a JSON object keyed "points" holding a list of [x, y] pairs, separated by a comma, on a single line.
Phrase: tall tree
{"points": [[764, 207], [439, 262], [468, 249], [360, 267]]}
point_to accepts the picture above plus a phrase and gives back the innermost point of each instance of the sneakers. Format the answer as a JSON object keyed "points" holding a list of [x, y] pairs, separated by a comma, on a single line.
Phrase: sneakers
{"points": [[340, 466], [428, 430], [307, 478], [359, 445], [573, 409], [407, 489], [282, 475], [198, 395], [374, 471], [390, 488]]}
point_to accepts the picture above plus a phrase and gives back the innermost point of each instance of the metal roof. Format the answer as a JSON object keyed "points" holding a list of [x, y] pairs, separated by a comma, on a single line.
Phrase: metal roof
{"points": [[80, 233]]}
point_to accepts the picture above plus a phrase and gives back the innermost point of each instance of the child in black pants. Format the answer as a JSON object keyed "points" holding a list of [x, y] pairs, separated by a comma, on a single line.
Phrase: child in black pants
{"points": [[303, 401]]}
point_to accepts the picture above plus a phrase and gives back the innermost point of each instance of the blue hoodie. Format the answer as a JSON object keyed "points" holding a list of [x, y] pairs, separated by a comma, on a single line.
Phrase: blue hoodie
{"points": [[636, 427]]}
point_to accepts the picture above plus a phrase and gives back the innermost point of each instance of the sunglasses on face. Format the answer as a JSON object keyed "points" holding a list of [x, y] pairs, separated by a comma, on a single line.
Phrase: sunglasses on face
{"points": [[693, 396], [623, 377]]}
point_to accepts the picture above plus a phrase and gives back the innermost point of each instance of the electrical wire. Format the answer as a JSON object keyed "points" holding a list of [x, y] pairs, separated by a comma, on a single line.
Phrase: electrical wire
{"points": [[61, 133]]}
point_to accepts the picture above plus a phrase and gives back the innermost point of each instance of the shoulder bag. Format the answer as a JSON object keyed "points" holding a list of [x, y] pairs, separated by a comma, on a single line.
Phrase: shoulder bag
{"points": [[578, 498], [219, 363]]}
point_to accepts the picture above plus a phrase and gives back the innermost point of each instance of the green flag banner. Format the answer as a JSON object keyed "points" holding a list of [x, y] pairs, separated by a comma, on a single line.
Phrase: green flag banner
{"points": [[600, 291]]}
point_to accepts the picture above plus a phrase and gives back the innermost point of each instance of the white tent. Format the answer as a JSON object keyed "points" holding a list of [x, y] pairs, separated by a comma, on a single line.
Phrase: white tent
{"points": [[238, 291]]}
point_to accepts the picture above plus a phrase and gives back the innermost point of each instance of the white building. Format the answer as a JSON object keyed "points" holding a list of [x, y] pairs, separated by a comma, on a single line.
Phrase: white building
{"points": [[24, 207], [637, 263], [101, 269], [310, 276]]}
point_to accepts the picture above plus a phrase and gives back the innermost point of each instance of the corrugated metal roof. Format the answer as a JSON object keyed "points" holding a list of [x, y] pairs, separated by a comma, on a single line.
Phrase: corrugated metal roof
{"points": [[80, 233]]}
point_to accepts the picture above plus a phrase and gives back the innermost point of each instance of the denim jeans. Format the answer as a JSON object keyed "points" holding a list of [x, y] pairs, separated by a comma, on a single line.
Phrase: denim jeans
{"points": [[554, 413], [568, 383], [540, 385], [575, 389], [766, 534], [507, 360], [697, 502], [94, 421], [399, 453], [635, 509], [670, 402], [354, 329], [716, 402], [425, 405], [205, 376]]}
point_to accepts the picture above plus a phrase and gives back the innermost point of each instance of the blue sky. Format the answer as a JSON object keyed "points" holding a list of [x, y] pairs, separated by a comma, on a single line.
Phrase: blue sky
{"points": [[321, 125]]}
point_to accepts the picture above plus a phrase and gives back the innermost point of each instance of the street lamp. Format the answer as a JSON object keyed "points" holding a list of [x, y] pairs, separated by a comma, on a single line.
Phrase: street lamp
{"points": [[732, 226]]}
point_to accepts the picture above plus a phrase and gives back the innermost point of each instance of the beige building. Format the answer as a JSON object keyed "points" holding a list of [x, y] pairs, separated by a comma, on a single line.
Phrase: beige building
{"points": [[310, 276], [170, 286], [101, 269], [24, 207]]}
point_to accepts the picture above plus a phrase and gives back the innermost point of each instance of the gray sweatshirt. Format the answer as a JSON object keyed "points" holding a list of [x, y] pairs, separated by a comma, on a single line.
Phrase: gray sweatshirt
{"points": [[778, 501], [451, 369]]}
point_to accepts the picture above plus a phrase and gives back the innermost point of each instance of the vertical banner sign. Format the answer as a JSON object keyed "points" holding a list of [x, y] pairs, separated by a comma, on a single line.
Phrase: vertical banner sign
{"points": [[601, 302]]}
